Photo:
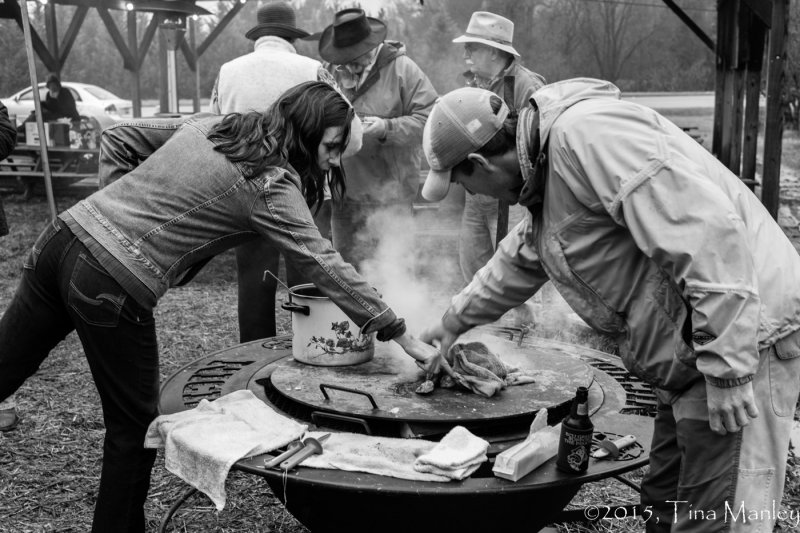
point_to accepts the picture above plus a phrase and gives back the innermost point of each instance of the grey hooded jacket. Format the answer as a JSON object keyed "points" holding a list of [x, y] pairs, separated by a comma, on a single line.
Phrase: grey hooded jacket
{"points": [[650, 239]]}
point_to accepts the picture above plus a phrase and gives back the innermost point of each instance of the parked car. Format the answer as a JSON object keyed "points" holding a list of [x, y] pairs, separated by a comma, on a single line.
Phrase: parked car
{"points": [[92, 101]]}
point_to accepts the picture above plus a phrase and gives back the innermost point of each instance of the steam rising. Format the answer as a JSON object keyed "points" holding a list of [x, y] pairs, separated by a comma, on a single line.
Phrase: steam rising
{"points": [[415, 274], [415, 269]]}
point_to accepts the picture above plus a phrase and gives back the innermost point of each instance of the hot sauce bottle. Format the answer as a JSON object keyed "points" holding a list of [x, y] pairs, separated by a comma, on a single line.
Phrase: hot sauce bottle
{"points": [[575, 442]]}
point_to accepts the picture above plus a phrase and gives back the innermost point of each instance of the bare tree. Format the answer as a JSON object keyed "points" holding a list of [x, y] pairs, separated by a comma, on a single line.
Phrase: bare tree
{"points": [[614, 32]]}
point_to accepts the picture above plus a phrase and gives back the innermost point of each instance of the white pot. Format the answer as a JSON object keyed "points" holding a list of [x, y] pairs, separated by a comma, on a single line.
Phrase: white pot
{"points": [[322, 334]]}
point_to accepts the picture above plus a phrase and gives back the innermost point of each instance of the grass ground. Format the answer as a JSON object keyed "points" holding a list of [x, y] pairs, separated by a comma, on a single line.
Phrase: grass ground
{"points": [[49, 466]]}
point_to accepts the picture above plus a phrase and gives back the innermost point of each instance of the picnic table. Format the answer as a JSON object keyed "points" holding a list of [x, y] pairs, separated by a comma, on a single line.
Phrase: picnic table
{"points": [[68, 166]]}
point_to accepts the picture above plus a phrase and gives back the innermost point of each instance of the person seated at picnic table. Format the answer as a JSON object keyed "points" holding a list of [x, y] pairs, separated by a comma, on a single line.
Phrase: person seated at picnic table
{"points": [[101, 266], [59, 102]]}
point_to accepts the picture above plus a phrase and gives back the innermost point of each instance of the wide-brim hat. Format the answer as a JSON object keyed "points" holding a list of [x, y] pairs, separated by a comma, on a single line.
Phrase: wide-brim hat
{"points": [[352, 34], [491, 30], [278, 19]]}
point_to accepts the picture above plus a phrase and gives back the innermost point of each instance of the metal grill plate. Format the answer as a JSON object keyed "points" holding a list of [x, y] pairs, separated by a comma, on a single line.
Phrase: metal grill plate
{"points": [[392, 377]]}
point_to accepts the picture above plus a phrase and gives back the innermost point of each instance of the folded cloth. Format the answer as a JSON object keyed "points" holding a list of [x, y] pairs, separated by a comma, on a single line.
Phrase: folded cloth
{"points": [[201, 445], [375, 455], [456, 456]]}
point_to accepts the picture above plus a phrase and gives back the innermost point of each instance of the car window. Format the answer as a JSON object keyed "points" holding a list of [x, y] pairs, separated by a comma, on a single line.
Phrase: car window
{"points": [[28, 95], [101, 94], [75, 94]]}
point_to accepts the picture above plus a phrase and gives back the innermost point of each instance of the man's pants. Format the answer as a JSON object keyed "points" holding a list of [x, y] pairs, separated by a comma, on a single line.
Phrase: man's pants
{"points": [[476, 239], [703, 482], [63, 288], [257, 291]]}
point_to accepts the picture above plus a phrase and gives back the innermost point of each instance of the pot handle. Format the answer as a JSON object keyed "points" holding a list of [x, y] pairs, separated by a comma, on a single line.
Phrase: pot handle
{"points": [[316, 416], [323, 386], [296, 308]]}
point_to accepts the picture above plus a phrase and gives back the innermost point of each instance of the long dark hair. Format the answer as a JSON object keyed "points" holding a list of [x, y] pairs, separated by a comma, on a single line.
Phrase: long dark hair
{"points": [[289, 132]]}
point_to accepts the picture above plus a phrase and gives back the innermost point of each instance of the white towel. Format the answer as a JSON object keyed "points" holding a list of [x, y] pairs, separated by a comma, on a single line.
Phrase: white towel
{"points": [[456, 456], [201, 445], [383, 456]]}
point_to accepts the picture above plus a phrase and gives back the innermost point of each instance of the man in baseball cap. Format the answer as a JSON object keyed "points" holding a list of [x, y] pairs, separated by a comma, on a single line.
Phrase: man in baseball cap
{"points": [[654, 242], [460, 124]]}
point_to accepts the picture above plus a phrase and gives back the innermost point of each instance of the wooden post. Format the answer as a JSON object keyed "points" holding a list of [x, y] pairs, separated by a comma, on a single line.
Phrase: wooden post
{"points": [[163, 103], [195, 64], [37, 104], [726, 22], [739, 70], [773, 130], [502, 206], [51, 30], [133, 47], [755, 53], [737, 120]]}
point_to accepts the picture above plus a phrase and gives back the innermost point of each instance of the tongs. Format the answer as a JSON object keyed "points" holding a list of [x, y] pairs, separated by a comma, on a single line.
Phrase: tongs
{"points": [[297, 452]]}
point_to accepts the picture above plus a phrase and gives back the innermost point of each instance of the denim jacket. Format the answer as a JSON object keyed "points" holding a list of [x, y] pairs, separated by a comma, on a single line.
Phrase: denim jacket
{"points": [[186, 203]]}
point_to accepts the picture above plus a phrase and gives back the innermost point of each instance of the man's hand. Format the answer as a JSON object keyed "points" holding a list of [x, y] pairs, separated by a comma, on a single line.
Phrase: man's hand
{"points": [[730, 409], [428, 357], [440, 337], [374, 127]]}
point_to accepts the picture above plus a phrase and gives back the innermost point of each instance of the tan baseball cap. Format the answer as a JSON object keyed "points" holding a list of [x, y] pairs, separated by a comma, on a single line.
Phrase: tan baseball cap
{"points": [[460, 123]]}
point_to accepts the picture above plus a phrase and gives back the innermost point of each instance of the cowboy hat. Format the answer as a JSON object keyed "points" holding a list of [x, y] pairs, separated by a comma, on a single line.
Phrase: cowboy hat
{"points": [[491, 30], [276, 18], [352, 34]]}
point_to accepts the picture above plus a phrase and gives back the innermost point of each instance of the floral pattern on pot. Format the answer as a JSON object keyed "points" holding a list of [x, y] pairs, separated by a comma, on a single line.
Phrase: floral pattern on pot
{"points": [[344, 341]]}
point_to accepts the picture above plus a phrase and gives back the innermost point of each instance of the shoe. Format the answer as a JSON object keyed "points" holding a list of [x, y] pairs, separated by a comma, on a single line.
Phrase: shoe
{"points": [[8, 419]]}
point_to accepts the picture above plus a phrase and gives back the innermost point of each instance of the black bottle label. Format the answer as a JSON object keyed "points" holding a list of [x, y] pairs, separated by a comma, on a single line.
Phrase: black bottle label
{"points": [[573, 449]]}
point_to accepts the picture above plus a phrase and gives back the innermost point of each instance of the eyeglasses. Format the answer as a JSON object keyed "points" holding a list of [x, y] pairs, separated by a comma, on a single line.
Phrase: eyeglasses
{"points": [[361, 61], [471, 48]]}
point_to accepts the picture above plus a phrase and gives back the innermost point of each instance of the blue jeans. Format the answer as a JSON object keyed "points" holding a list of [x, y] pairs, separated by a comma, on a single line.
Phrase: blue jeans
{"points": [[63, 288]]}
